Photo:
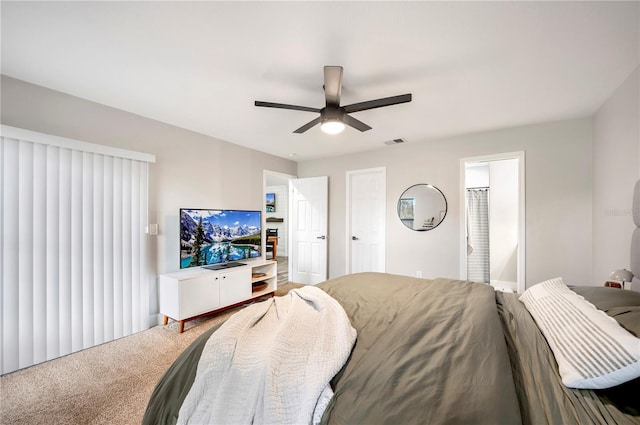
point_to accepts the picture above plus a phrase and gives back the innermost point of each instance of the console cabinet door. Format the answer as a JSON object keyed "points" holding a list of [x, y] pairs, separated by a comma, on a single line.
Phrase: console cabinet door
{"points": [[199, 295], [235, 286]]}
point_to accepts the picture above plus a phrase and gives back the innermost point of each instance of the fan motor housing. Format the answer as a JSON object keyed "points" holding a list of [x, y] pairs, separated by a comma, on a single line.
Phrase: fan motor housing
{"points": [[332, 113]]}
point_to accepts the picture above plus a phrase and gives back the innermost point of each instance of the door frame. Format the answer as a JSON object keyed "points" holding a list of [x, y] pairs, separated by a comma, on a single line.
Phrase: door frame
{"points": [[520, 156], [347, 262]]}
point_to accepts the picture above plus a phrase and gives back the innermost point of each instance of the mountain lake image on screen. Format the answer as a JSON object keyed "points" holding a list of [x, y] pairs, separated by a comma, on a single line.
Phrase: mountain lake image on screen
{"points": [[218, 236]]}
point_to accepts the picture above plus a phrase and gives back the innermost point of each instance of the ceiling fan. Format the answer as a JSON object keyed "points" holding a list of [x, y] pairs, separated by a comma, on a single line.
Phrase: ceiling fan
{"points": [[333, 117]]}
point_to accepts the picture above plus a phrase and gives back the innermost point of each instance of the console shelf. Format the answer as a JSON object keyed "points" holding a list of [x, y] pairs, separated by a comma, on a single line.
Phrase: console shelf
{"points": [[264, 273], [192, 293]]}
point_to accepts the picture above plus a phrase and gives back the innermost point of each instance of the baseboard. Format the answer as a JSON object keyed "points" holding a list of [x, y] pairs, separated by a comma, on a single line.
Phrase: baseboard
{"points": [[503, 284]]}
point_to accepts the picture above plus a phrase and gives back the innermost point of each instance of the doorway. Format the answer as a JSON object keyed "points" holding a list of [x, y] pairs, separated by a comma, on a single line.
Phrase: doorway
{"points": [[276, 211], [297, 210], [493, 220]]}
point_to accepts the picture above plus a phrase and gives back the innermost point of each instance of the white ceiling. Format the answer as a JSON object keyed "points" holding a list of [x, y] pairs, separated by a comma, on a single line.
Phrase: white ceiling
{"points": [[471, 66]]}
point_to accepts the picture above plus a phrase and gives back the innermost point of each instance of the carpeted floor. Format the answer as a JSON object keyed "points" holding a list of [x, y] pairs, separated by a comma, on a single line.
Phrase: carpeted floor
{"points": [[108, 384]]}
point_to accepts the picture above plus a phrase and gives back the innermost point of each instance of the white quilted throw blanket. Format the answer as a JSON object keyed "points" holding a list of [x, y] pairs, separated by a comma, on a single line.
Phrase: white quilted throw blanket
{"points": [[271, 363]]}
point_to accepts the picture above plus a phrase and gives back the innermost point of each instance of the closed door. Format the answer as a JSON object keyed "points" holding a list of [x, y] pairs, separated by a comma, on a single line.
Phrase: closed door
{"points": [[366, 200], [309, 208]]}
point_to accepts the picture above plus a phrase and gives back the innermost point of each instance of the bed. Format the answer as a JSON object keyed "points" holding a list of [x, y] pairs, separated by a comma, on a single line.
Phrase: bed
{"points": [[441, 351], [445, 351]]}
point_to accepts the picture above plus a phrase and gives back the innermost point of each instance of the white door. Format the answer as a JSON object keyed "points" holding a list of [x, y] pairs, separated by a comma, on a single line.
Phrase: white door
{"points": [[366, 199], [309, 208]]}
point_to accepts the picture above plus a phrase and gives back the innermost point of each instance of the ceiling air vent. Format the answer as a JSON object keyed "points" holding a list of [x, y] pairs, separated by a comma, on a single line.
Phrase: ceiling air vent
{"points": [[394, 142]]}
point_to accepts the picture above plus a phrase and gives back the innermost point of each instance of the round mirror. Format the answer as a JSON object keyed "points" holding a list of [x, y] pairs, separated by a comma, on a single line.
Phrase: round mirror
{"points": [[422, 207]]}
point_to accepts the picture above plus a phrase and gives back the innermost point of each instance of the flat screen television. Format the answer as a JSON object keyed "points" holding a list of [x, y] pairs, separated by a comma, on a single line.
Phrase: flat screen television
{"points": [[219, 236]]}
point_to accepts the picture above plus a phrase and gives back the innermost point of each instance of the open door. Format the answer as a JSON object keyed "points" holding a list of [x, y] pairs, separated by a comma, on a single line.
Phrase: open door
{"points": [[309, 198]]}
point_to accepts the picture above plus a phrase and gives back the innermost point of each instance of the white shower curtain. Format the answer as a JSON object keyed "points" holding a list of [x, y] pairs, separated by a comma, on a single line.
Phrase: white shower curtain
{"points": [[478, 235]]}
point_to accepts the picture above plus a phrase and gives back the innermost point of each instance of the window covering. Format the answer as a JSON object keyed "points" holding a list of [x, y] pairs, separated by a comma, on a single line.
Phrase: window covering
{"points": [[74, 264]]}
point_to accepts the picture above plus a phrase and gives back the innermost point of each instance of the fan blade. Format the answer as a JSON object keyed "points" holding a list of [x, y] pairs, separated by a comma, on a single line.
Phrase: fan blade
{"points": [[308, 125], [357, 124], [332, 85], [378, 103], [285, 106]]}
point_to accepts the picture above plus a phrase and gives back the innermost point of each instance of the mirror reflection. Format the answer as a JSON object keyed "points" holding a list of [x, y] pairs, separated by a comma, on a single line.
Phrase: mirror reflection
{"points": [[422, 207]]}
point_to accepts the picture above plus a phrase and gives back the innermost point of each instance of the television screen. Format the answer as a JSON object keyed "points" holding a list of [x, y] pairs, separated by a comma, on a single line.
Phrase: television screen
{"points": [[219, 236]]}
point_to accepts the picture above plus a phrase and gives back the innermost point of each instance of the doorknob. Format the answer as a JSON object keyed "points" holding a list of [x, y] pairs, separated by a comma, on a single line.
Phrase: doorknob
{"points": [[321, 237], [353, 238]]}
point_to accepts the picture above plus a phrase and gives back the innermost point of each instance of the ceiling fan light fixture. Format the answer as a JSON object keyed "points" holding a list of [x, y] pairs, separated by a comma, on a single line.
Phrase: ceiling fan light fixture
{"points": [[332, 126], [333, 117]]}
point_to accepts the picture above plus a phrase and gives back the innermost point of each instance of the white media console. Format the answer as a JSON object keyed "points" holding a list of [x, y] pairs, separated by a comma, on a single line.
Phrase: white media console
{"points": [[191, 293]]}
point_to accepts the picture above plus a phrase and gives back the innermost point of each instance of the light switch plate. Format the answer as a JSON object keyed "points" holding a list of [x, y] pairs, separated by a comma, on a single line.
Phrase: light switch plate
{"points": [[153, 229]]}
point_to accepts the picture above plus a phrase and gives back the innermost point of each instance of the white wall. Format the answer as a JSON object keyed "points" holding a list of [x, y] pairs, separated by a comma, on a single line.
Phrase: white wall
{"points": [[191, 170], [558, 188], [559, 180], [477, 175], [616, 168]]}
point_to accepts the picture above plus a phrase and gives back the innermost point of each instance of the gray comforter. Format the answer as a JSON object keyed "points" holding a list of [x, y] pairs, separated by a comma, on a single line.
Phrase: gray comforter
{"points": [[543, 397], [430, 352]]}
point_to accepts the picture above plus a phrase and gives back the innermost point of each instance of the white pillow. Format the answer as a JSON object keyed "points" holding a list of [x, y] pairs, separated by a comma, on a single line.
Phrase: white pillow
{"points": [[592, 350]]}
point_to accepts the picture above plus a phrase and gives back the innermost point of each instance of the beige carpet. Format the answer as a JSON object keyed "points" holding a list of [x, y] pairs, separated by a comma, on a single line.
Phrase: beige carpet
{"points": [[108, 384]]}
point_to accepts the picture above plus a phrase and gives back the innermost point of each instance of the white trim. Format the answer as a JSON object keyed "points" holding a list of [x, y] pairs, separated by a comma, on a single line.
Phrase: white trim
{"points": [[348, 174], [289, 177], [63, 142], [520, 156], [501, 285]]}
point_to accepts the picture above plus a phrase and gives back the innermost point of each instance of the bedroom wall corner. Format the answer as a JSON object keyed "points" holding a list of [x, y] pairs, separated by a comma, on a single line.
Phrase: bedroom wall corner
{"points": [[181, 177], [616, 168]]}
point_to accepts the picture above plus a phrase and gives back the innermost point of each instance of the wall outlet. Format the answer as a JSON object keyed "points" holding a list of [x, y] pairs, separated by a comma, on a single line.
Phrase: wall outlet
{"points": [[419, 273]]}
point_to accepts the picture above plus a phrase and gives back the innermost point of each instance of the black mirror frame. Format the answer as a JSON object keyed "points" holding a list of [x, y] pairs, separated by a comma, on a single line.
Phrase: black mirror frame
{"points": [[446, 207]]}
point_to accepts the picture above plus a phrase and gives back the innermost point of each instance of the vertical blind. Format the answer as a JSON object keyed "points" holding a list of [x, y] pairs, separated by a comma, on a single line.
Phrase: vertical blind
{"points": [[74, 249]]}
